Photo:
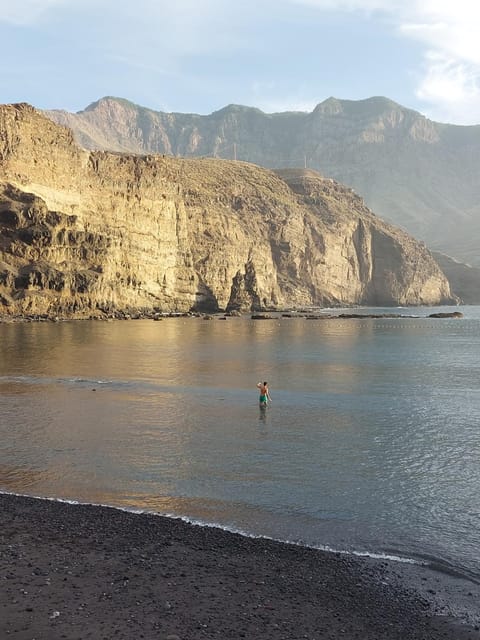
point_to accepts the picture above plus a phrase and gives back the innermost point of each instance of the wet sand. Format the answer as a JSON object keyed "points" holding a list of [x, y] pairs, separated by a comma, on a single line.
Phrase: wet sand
{"points": [[81, 571]]}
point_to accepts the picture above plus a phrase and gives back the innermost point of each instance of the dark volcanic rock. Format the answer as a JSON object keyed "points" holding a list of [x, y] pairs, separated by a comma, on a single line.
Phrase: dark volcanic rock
{"points": [[80, 571], [454, 314]]}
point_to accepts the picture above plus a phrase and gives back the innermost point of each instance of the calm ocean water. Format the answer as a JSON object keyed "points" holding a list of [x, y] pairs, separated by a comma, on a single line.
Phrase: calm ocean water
{"points": [[371, 443]]}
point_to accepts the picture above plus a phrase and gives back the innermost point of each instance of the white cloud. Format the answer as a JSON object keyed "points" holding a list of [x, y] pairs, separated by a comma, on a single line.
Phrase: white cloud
{"points": [[448, 76], [450, 27], [449, 79], [451, 88], [22, 12]]}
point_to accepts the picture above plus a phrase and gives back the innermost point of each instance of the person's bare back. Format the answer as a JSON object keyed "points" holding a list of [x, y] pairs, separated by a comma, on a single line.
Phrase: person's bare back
{"points": [[264, 393]]}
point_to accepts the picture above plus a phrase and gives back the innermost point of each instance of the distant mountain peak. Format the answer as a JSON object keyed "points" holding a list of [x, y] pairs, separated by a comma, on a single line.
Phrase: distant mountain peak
{"points": [[373, 107], [330, 106], [236, 108], [411, 170], [108, 100]]}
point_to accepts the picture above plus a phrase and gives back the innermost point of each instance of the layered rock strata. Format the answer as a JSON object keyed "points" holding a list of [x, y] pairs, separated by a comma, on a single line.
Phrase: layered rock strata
{"points": [[87, 233], [414, 172]]}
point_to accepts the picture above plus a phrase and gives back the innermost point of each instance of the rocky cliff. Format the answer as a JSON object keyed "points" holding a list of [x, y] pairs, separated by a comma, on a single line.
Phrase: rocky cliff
{"points": [[419, 174], [464, 280], [88, 233]]}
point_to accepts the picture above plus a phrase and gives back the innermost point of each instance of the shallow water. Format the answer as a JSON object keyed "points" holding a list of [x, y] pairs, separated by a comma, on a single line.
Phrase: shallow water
{"points": [[371, 442]]}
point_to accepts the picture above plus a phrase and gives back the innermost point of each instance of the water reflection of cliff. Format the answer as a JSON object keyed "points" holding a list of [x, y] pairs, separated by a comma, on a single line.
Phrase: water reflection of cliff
{"points": [[16, 479], [89, 406], [197, 352]]}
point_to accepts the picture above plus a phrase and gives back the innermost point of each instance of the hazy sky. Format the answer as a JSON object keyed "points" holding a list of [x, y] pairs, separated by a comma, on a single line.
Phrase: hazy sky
{"points": [[197, 56]]}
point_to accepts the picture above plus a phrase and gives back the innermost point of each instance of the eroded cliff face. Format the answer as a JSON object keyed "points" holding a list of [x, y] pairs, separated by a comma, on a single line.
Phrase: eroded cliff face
{"points": [[87, 233], [416, 173]]}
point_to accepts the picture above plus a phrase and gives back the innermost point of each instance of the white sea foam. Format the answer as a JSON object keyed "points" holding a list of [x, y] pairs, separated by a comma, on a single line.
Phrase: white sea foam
{"points": [[230, 529]]}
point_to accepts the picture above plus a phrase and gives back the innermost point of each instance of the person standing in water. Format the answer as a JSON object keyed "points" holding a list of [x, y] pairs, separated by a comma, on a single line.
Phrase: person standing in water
{"points": [[264, 394]]}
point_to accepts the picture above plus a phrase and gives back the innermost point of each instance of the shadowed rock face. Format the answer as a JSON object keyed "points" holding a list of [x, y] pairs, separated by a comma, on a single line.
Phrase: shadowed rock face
{"points": [[84, 233], [464, 280], [47, 263]]}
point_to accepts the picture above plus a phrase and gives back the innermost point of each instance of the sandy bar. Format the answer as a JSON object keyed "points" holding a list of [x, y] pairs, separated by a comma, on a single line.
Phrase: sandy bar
{"points": [[82, 571]]}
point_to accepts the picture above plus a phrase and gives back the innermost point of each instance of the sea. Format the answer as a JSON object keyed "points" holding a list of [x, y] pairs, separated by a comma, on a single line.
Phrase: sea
{"points": [[371, 444]]}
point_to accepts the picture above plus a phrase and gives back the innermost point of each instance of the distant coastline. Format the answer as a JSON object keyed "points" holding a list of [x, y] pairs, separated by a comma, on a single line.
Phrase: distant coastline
{"points": [[273, 315]]}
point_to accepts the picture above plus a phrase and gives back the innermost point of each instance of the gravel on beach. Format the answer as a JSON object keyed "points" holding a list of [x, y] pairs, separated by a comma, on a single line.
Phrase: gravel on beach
{"points": [[82, 571]]}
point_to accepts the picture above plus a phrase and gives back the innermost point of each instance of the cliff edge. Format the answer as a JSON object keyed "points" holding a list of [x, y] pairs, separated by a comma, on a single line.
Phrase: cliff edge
{"points": [[91, 233]]}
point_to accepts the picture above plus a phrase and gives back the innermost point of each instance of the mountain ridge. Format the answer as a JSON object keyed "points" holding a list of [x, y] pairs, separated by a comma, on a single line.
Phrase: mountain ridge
{"points": [[93, 232], [418, 174]]}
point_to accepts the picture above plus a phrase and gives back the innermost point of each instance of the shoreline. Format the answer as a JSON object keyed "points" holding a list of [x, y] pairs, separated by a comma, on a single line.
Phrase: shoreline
{"points": [[79, 570], [225, 315]]}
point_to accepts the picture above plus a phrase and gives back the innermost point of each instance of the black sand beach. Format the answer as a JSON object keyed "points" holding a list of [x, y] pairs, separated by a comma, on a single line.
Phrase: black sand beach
{"points": [[80, 571]]}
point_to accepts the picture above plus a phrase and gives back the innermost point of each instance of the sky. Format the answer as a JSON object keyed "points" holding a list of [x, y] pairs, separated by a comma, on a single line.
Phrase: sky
{"points": [[197, 56]]}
